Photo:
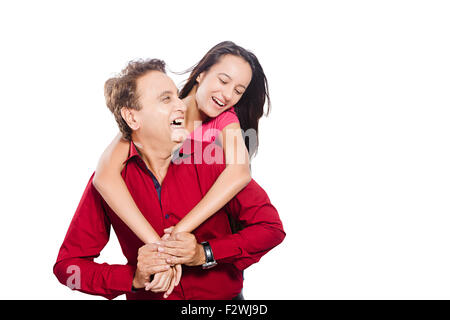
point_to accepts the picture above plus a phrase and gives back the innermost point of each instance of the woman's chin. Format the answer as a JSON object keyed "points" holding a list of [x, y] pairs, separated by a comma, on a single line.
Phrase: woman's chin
{"points": [[213, 111]]}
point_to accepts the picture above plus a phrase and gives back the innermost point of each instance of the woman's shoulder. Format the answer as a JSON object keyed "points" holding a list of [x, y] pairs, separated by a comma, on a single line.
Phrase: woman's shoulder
{"points": [[211, 129], [225, 118]]}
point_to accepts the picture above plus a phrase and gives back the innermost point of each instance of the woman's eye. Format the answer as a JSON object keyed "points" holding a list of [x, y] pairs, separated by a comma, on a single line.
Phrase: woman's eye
{"points": [[223, 82], [166, 99], [238, 92]]}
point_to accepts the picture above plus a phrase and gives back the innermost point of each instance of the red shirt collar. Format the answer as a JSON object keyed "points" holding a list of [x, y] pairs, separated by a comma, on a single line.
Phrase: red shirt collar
{"points": [[187, 149], [133, 152]]}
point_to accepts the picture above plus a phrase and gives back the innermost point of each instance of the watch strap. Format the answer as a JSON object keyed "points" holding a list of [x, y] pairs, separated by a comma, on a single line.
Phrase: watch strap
{"points": [[209, 256]]}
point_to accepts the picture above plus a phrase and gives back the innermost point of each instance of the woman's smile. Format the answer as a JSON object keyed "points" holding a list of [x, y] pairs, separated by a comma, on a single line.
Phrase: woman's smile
{"points": [[218, 102]]}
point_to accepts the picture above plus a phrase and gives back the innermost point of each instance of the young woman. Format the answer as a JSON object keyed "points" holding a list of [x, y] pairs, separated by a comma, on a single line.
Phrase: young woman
{"points": [[225, 92]]}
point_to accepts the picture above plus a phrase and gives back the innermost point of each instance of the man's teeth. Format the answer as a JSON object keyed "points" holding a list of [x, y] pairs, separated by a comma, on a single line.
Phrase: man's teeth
{"points": [[177, 122], [218, 102]]}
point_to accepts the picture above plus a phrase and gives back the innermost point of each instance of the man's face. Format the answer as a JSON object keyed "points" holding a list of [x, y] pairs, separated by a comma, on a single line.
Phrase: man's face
{"points": [[161, 118]]}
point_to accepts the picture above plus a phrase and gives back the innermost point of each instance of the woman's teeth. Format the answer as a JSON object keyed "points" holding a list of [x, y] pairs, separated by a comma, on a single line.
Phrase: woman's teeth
{"points": [[218, 102]]}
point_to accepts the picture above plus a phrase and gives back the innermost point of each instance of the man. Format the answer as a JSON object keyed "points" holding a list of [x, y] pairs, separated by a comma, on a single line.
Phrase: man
{"points": [[145, 103]]}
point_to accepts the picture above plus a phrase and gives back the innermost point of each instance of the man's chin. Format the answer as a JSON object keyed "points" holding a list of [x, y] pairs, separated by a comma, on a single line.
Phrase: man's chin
{"points": [[179, 135]]}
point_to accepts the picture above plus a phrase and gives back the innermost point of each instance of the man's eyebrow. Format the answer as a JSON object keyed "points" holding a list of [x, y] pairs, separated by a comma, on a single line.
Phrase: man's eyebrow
{"points": [[240, 85], [165, 92]]}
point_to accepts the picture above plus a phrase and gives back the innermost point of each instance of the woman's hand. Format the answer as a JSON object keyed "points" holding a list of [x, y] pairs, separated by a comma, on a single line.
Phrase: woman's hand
{"points": [[182, 247], [168, 232]]}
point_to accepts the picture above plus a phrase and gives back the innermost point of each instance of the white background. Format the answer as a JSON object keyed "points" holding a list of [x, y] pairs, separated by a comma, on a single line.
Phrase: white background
{"points": [[354, 155]]}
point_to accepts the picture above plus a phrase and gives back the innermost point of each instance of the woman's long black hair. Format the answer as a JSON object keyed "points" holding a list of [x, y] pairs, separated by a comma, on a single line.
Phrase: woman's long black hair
{"points": [[250, 107]]}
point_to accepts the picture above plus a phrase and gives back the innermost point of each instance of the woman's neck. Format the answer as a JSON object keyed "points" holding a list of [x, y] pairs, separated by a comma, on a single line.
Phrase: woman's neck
{"points": [[194, 115]]}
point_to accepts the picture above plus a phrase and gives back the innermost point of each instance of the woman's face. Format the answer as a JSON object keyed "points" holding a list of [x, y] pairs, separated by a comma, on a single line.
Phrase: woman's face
{"points": [[222, 85]]}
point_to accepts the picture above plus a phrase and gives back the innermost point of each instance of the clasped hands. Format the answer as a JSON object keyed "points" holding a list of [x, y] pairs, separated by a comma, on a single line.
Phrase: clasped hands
{"points": [[164, 259]]}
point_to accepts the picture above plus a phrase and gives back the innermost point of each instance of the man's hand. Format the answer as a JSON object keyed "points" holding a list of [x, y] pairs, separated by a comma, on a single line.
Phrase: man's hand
{"points": [[165, 281], [183, 248], [150, 262]]}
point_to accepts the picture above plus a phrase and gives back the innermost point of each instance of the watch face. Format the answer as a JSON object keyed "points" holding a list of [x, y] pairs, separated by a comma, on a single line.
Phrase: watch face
{"points": [[209, 265]]}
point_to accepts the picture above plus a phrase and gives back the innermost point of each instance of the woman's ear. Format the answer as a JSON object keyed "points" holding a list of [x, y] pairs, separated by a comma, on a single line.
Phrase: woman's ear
{"points": [[129, 117], [200, 77]]}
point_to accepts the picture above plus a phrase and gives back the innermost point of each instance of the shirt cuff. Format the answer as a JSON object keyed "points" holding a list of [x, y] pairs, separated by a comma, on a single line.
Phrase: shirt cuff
{"points": [[225, 249], [123, 276]]}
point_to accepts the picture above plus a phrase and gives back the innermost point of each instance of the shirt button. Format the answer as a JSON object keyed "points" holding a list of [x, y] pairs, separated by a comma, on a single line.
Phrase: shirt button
{"points": [[166, 216]]}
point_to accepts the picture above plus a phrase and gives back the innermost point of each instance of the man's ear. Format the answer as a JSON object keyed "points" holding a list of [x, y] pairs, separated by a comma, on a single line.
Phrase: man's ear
{"points": [[129, 116]]}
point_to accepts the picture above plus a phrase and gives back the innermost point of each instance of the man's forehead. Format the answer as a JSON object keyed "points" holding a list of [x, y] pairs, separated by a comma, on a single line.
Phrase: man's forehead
{"points": [[154, 83]]}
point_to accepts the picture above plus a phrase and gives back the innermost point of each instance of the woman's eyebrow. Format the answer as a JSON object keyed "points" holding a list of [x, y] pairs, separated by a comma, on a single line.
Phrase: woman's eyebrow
{"points": [[224, 74], [239, 85]]}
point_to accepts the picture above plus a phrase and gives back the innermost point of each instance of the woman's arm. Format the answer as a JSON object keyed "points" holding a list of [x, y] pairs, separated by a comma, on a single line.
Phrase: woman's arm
{"points": [[232, 180], [109, 183]]}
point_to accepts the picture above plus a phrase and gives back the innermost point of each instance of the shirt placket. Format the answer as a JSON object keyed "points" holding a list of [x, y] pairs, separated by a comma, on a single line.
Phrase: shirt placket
{"points": [[169, 220], [166, 214]]}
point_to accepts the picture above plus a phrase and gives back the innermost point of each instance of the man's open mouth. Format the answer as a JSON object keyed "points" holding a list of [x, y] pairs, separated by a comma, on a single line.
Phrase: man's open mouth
{"points": [[177, 123]]}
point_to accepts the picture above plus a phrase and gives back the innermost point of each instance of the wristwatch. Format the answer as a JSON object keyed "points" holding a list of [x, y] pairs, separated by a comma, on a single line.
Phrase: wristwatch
{"points": [[210, 262]]}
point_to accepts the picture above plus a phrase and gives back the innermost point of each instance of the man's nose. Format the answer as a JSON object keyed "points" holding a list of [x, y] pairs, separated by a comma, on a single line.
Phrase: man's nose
{"points": [[181, 106]]}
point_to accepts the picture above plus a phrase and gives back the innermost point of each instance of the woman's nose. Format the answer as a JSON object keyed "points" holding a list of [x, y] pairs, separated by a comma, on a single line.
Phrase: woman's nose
{"points": [[227, 94]]}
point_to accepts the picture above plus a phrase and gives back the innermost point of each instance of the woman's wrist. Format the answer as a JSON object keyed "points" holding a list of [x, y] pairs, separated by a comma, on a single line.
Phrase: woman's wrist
{"points": [[179, 227]]}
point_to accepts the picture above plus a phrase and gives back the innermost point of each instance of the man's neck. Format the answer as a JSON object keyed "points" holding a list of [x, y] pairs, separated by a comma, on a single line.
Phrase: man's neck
{"points": [[156, 159]]}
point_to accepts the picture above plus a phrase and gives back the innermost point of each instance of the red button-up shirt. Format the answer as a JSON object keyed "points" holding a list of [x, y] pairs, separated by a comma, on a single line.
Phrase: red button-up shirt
{"points": [[182, 188]]}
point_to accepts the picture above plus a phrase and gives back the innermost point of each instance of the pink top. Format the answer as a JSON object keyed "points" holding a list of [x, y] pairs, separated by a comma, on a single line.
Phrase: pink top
{"points": [[211, 129]]}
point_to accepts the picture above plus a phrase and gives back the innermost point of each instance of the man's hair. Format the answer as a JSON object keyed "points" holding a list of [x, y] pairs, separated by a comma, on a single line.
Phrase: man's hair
{"points": [[120, 91]]}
